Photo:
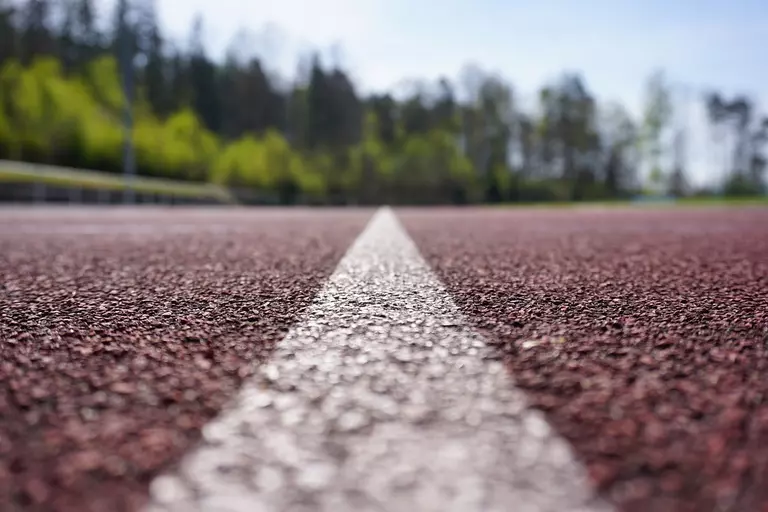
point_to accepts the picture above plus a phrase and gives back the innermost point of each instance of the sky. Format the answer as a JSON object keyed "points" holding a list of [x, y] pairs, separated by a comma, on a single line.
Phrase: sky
{"points": [[614, 44]]}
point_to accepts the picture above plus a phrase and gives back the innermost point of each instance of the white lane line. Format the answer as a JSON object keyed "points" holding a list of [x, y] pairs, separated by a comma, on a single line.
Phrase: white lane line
{"points": [[382, 399]]}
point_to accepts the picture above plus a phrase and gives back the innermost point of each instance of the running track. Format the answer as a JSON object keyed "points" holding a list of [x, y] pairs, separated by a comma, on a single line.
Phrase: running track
{"points": [[417, 359]]}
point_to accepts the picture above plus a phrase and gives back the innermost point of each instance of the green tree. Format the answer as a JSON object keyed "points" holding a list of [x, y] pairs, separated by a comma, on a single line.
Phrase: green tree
{"points": [[37, 38], [619, 135], [202, 80], [656, 117], [9, 35], [678, 185]]}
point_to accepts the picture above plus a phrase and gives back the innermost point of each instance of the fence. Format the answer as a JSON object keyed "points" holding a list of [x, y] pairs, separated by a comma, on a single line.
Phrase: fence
{"points": [[22, 182]]}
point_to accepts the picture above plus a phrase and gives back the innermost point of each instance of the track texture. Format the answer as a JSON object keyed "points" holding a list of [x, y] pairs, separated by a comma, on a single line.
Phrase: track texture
{"points": [[123, 332], [380, 400], [641, 334]]}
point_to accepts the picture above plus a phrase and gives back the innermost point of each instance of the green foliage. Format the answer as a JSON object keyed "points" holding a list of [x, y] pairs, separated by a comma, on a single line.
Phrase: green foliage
{"points": [[101, 76], [739, 185], [240, 165]]}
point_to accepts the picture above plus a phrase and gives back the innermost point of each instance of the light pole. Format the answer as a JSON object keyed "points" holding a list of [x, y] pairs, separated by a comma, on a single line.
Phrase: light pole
{"points": [[126, 63]]}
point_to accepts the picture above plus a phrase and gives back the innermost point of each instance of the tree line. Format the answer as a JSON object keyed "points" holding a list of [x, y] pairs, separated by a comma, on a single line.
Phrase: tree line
{"points": [[316, 138]]}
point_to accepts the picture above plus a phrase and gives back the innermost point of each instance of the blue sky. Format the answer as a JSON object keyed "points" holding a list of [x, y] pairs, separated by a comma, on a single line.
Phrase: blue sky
{"points": [[615, 44]]}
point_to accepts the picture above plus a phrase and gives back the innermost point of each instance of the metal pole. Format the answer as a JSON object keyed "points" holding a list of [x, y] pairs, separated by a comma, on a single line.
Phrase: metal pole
{"points": [[289, 135], [129, 165]]}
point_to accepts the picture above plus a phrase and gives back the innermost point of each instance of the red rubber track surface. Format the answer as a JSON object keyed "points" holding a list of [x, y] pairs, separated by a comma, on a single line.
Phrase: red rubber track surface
{"points": [[122, 332], [642, 333]]}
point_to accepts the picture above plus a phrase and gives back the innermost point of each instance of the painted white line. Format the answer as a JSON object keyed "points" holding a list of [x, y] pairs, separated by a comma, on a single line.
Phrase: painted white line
{"points": [[381, 399]]}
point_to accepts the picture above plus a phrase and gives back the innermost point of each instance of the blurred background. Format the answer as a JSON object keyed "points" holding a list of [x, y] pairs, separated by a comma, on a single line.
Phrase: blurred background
{"points": [[381, 101]]}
